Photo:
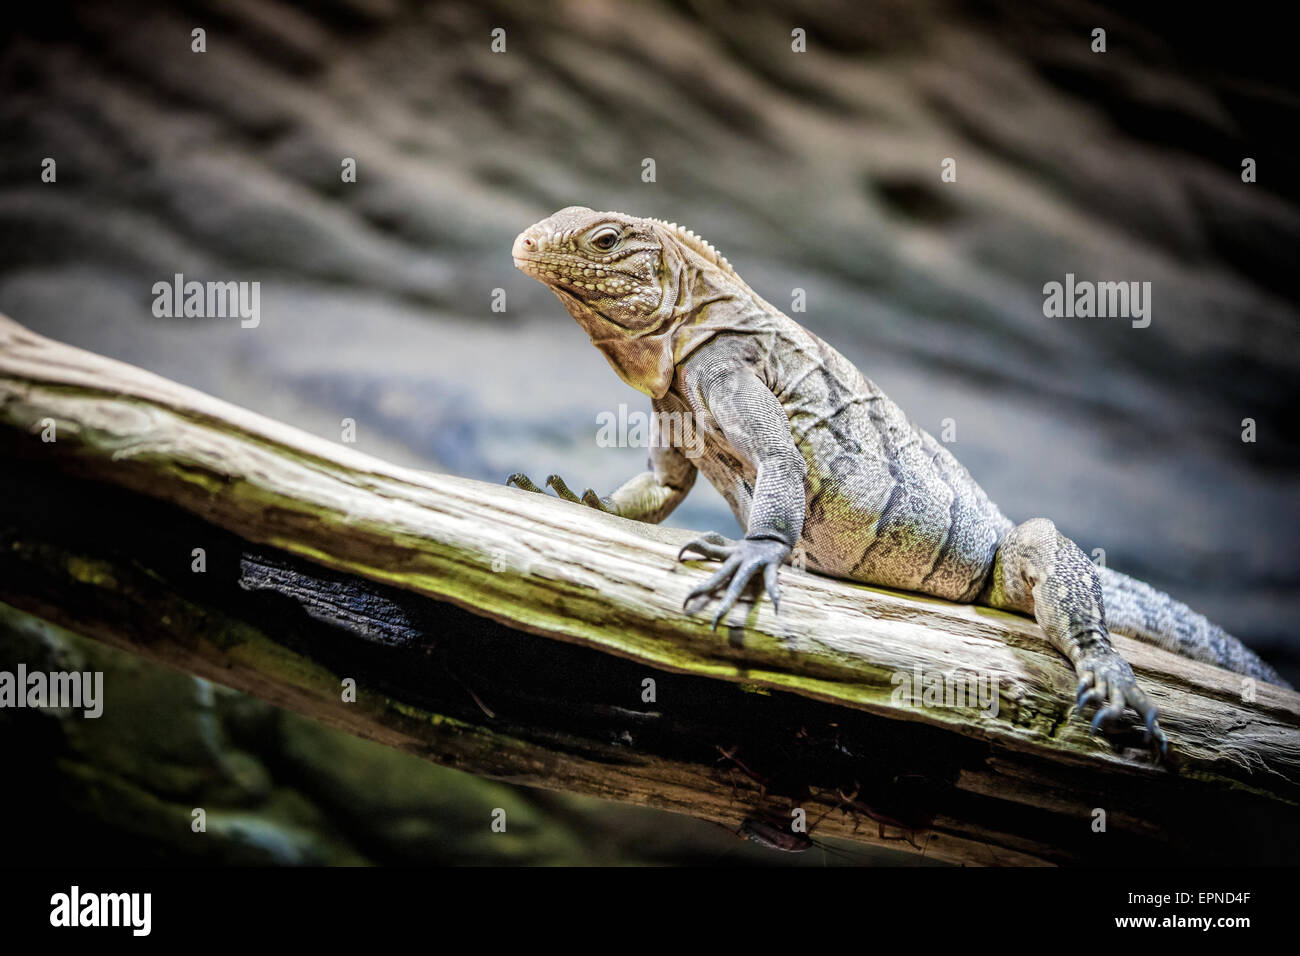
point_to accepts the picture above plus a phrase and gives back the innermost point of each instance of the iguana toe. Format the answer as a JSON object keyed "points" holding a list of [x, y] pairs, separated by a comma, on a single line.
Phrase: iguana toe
{"points": [[742, 560], [561, 489], [593, 500], [712, 546], [770, 574], [1107, 681], [1112, 711], [520, 480]]}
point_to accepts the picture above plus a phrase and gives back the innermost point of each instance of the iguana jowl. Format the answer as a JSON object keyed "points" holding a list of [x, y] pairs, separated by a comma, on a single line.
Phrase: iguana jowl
{"points": [[809, 453]]}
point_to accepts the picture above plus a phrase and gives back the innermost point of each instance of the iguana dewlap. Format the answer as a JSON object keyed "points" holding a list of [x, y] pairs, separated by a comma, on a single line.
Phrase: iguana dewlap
{"points": [[810, 454]]}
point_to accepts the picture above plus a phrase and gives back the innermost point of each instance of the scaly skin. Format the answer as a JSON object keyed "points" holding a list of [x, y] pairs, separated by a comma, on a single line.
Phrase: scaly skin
{"points": [[809, 453]]}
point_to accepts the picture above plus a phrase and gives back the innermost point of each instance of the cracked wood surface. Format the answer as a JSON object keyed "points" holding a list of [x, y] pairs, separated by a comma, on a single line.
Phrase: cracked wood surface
{"points": [[566, 573]]}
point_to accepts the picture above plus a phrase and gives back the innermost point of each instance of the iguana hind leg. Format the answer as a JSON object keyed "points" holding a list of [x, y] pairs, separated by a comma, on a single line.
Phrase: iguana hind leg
{"points": [[1041, 572]]}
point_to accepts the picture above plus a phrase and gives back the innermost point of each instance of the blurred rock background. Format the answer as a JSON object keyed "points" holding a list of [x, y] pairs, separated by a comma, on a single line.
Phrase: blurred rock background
{"points": [[816, 170]]}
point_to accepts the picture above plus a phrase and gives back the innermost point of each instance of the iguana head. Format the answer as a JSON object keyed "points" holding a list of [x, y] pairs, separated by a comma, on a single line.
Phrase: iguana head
{"points": [[639, 287]]}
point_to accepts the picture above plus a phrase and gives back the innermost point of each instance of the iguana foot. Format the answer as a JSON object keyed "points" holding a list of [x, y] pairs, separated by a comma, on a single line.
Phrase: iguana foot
{"points": [[1107, 680], [589, 497], [741, 560]]}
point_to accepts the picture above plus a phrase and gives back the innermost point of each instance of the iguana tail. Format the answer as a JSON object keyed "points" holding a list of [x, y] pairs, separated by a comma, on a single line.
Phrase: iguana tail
{"points": [[1138, 610]]}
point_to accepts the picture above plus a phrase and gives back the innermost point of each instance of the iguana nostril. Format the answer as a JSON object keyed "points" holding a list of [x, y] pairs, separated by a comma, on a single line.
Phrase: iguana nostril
{"points": [[525, 245]]}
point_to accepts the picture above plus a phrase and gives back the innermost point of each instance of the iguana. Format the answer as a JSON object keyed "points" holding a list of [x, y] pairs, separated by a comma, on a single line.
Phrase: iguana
{"points": [[810, 454]]}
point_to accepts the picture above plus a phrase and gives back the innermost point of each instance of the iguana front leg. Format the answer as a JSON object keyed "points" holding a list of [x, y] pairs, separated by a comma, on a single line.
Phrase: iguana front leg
{"points": [[650, 496], [725, 395], [1041, 572]]}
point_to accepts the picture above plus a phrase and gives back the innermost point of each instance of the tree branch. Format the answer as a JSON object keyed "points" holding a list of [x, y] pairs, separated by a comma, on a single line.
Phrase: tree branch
{"points": [[510, 634]]}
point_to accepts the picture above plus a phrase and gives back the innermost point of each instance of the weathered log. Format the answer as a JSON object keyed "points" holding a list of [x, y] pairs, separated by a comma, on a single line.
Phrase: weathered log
{"points": [[324, 563]]}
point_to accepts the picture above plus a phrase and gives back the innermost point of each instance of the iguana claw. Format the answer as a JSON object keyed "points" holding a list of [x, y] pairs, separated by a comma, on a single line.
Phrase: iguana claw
{"points": [[1107, 681], [741, 560], [589, 497]]}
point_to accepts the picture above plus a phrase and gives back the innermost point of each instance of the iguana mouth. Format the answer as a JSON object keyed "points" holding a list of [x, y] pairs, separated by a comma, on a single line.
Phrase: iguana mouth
{"points": [[536, 267]]}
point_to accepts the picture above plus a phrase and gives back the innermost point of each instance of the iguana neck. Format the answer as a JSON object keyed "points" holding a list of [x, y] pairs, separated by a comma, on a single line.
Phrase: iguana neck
{"points": [[699, 300]]}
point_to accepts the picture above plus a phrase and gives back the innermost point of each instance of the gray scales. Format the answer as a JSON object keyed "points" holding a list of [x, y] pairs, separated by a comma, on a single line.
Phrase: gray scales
{"points": [[811, 455]]}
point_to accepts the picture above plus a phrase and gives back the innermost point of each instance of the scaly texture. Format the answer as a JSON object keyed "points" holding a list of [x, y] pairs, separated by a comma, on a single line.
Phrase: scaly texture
{"points": [[812, 455]]}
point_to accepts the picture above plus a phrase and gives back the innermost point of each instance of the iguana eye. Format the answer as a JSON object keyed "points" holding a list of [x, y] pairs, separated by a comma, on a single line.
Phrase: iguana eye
{"points": [[606, 239]]}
